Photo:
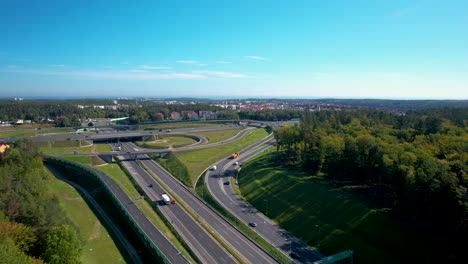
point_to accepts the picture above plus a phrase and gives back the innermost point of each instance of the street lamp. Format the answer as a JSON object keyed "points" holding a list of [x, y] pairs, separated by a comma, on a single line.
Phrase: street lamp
{"points": [[318, 243]]}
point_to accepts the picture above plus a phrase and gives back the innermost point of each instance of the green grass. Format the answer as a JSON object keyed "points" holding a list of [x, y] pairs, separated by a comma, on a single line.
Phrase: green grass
{"points": [[103, 148], [98, 248], [166, 142], [198, 160], [29, 133], [84, 149], [218, 135], [298, 202]]}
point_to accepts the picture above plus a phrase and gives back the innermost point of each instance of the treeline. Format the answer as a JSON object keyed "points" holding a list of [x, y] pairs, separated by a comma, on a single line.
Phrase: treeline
{"points": [[33, 226], [70, 115], [416, 163], [396, 104], [262, 115]]}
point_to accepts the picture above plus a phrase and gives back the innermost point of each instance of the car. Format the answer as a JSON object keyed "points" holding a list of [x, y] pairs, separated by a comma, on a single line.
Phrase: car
{"points": [[173, 202], [227, 183], [150, 185], [160, 130], [252, 224], [294, 255], [236, 163]]}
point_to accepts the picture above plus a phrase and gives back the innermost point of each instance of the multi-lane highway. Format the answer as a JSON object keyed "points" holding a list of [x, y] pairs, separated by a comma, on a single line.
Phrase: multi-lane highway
{"points": [[204, 246], [245, 246], [270, 231]]}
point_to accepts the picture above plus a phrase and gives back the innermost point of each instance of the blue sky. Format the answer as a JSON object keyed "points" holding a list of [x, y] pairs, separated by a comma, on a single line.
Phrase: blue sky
{"points": [[333, 48]]}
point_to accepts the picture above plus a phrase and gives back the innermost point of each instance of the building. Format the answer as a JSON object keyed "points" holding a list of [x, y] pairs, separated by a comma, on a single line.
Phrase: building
{"points": [[175, 115], [161, 115], [192, 115], [208, 114]]}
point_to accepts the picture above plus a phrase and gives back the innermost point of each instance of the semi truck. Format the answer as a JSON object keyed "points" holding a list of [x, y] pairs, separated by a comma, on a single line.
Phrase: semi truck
{"points": [[235, 155]]}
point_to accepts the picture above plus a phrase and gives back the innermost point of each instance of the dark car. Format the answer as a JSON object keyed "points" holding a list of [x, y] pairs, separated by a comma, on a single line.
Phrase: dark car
{"points": [[150, 185], [252, 224], [294, 255], [227, 183]]}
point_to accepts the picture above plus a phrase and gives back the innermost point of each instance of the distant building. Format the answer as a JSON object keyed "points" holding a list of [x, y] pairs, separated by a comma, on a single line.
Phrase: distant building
{"points": [[208, 114], [175, 115], [161, 116], [192, 115], [19, 121], [80, 106]]}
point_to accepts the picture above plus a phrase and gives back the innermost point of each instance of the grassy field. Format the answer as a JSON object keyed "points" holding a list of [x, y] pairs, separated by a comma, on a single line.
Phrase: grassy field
{"points": [[29, 133], [166, 142], [99, 248], [218, 135], [308, 206], [198, 160]]}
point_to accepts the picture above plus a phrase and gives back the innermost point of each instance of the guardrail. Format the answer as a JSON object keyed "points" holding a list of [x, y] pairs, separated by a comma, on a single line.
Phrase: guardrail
{"points": [[97, 176]]}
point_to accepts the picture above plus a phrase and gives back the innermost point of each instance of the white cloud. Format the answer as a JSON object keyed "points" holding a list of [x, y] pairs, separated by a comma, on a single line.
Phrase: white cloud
{"points": [[11, 66], [154, 67], [138, 71], [187, 61], [223, 62], [201, 64], [124, 62], [222, 74], [57, 65], [256, 57], [118, 75]]}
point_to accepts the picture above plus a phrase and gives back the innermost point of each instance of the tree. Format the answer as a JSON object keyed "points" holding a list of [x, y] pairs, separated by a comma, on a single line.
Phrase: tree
{"points": [[62, 246]]}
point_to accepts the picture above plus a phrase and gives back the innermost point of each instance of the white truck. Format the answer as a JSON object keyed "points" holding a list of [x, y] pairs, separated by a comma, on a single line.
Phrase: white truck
{"points": [[165, 198], [213, 168]]}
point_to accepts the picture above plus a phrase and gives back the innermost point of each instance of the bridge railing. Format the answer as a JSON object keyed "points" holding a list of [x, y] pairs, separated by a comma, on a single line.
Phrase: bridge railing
{"points": [[98, 176]]}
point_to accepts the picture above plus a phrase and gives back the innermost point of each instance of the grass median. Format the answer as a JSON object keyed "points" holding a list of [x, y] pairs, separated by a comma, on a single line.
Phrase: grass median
{"points": [[196, 161], [218, 135]]}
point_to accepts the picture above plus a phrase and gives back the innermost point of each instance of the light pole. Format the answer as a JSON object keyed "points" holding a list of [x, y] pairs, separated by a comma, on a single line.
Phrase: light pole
{"points": [[318, 243]]}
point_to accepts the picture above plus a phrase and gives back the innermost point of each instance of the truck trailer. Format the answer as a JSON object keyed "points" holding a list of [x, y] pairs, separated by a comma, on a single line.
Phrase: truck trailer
{"points": [[165, 198]]}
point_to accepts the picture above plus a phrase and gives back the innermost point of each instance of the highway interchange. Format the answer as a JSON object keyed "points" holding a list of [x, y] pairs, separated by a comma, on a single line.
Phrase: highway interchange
{"points": [[210, 237]]}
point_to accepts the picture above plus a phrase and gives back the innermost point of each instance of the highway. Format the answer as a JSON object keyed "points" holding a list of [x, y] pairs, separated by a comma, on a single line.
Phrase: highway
{"points": [[245, 246], [229, 199], [204, 246]]}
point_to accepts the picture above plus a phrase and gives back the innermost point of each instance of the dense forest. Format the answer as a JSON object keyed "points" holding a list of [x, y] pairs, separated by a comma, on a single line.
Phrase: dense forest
{"points": [[33, 226], [415, 164], [396, 104]]}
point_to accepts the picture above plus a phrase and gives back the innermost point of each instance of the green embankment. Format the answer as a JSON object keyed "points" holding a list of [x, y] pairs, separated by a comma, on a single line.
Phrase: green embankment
{"points": [[196, 161], [98, 245], [218, 135], [299, 202], [164, 142], [29, 133]]}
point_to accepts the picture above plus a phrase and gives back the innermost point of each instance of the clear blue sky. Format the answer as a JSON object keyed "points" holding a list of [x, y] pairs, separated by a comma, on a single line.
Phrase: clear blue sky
{"points": [[160, 48]]}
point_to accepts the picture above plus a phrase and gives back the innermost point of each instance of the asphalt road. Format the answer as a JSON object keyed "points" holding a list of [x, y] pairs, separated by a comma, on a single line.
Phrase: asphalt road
{"points": [[266, 228], [246, 247], [151, 231], [205, 247]]}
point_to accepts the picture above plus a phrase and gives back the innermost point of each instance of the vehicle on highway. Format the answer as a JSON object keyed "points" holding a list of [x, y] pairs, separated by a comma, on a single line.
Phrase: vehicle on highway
{"points": [[165, 198], [294, 255], [150, 185], [168, 130], [235, 155], [252, 224], [213, 168], [173, 202], [227, 183], [236, 163]]}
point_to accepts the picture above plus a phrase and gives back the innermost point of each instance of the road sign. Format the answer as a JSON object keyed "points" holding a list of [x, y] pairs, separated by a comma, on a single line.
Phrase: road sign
{"points": [[337, 257]]}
